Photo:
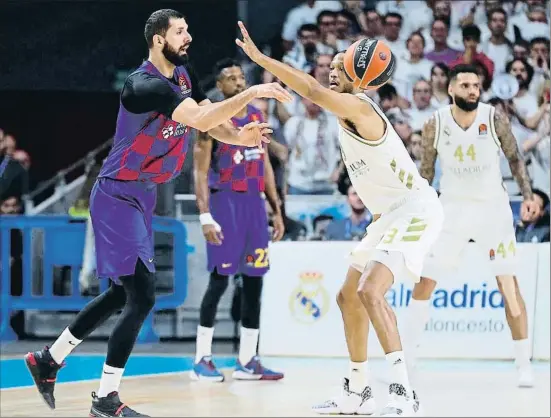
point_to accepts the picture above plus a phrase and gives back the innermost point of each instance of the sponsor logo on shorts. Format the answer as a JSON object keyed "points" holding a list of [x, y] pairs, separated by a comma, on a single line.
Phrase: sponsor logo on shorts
{"points": [[150, 260], [226, 265]]}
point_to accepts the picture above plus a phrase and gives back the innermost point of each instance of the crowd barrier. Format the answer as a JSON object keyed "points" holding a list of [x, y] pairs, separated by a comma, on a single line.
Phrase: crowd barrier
{"points": [[300, 316], [63, 244]]}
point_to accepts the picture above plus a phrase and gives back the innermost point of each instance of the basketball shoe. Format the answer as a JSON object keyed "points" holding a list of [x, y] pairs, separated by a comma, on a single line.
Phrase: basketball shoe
{"points": [[525, 376], [348, 403], [44, 370], [206, 370], [111, 406], [254, 370], [401, 403]]}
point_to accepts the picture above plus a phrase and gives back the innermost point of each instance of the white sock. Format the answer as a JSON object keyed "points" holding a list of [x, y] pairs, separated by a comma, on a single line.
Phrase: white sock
{"points": [[358, 378], [418, 315], [247, 344], [63, 346], [522, 352], [110, 380], [398, 368], [204, 343]]}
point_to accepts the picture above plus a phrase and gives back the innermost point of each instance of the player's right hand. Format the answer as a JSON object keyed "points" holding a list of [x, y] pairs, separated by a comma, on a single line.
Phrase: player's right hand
{"points": [[212, 234], [272, 91]]}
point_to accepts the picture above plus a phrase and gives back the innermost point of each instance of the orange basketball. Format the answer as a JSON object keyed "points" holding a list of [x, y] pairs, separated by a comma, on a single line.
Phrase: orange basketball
{"points": [[369, 63]]}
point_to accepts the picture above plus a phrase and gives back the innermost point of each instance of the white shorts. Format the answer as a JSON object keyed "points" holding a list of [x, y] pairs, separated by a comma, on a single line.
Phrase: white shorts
{"points": [[401, 238], [489, 224]]}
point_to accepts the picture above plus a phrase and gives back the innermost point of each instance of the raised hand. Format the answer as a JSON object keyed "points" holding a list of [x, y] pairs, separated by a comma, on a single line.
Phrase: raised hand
{"points": [[247, 44], [254, 134]]}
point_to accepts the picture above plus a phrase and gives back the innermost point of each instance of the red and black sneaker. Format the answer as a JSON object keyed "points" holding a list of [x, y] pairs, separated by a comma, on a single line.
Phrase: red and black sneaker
{"points": [[111, 406], [44, 370]]}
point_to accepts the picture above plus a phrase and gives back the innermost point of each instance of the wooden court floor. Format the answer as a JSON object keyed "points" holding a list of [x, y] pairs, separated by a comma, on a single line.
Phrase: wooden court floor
{"points": [[445, 389]]}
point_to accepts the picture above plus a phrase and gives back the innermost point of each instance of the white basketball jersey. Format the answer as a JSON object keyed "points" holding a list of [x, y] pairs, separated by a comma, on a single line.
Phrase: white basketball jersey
{"points": [[382, 172], [470, 159]]}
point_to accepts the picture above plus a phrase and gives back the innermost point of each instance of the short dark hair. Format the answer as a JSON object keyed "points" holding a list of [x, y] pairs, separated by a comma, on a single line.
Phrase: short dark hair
{"points": [[308, 27], [462, 69], [393, 14], [471, 32], [495, 10], [445, 21], [387, 92], [223, 64], [543, 197], [158, 23], [539, 40], [325, 13]]}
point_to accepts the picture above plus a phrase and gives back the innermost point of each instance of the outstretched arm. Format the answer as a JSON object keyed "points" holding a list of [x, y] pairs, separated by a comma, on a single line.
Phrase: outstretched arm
{"points": [[428, 158], [345, 106]]}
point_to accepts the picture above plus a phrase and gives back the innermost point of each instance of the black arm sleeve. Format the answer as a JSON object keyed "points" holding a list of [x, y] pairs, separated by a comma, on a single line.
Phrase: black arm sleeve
{"points": [[144, 93], [197, 93]]}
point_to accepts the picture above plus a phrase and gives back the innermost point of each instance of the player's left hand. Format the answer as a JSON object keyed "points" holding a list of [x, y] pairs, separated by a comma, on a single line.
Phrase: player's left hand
{"points": [[247, 44], [529, 210], [254, 134], [279, 227]]}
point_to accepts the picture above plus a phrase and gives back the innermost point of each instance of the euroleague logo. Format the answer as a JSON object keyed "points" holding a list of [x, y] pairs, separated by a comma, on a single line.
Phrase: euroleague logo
{"points": [[183, 83]]}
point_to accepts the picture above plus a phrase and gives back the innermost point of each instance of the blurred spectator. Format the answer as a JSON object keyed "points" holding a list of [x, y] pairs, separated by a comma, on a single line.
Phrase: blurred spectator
{"points": [[277, 148], [538, 145], [441, 52], [388, 97], [313, 151], [442, 10], [521, 50], [483, 20], [533, 23], [471, 40], [322, 69], [304, 53], [413, 67], [485, 81], [416, 152], [327, 23], [539, 60], [305, 13], [13, 177], [497, 47], [421, 109], [23, 158], [392, 24], [439, 80], [353, 227], [374, 24], [535, 230], [343, 31], [401, 124], [525, 105]]}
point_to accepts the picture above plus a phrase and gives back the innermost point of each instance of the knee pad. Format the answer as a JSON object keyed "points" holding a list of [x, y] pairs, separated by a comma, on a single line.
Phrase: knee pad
{"points": [[250, 308]]}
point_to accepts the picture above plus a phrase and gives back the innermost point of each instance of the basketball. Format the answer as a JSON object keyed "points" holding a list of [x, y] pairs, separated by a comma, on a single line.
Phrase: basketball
{"points": [[369, 63]]}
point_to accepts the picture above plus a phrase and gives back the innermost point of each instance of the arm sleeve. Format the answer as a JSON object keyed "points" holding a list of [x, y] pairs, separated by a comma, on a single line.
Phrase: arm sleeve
{"points": [[197, 93], [143, 93]]}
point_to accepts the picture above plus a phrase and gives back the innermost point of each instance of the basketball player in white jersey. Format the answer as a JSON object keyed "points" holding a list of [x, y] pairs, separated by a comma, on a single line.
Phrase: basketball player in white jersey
{"points": [[469, 136], [407, 220]]}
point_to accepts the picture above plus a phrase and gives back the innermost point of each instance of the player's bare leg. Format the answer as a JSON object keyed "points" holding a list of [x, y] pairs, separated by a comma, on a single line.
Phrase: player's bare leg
{"points": [[517, 318], [356, 397], [374, 284]]}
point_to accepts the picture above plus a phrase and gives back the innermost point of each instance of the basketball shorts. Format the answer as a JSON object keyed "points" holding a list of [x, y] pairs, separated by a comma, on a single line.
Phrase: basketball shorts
{"points": [[488, 223], [244, 223], [122, 216], [402, 237]]}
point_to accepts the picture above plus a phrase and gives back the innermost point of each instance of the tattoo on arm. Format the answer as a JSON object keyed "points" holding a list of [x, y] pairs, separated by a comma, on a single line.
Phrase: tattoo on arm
{"points": [[428, 158], [511, 151]]}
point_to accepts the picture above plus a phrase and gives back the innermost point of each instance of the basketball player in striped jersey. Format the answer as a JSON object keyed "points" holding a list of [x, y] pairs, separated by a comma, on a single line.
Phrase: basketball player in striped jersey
{"points": [[407, 220], [469, 137]]}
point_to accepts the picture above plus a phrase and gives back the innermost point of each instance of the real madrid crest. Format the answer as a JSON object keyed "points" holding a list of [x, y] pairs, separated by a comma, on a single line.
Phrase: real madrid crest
{"points": [[309, 301]]}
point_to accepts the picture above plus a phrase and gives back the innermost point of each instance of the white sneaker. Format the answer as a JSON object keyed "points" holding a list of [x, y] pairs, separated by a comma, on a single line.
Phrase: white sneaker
{"points": [[348, 403], [401, 403], [525, 376]]}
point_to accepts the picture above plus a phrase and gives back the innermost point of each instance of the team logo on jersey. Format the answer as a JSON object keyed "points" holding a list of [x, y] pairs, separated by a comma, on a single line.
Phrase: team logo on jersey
{"points": [[447, 131], [168, 131], [183, 83], [482, 129], [238, 157], [180, 129], [309, 301]]}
